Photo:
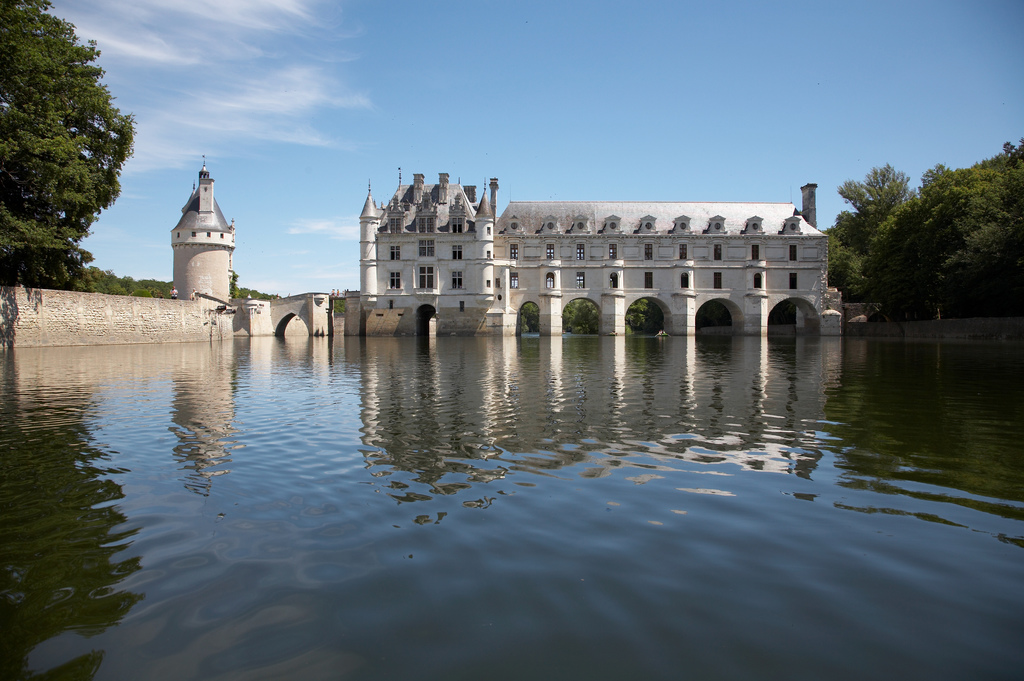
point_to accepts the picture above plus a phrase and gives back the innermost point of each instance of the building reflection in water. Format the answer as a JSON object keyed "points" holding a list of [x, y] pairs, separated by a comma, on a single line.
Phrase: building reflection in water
{"points": [[439, 416], [202, 411]]}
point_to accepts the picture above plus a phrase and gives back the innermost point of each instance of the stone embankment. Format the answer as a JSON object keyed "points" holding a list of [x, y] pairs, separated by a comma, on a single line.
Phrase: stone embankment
{"points": [[980, 328], [32, 317]]}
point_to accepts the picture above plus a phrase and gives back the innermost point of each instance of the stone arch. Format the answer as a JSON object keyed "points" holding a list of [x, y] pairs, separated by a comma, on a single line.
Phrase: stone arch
{"points": [[521, 317], [284, 326], [659, 319], [591, 306], [708, 321], [793, 316], [424, 313]]}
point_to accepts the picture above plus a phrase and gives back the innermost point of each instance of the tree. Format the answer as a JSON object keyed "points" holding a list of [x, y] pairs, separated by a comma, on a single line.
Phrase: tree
{"points": [[62, 146], [849, 239], [645, 317], [957, 249], [580, 317]]}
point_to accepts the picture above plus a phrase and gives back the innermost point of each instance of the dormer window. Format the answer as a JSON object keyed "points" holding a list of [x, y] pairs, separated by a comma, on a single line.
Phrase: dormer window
{"points": [[791, 226], [753, 226], [681, 224], [611, 223], [425, 224], [394, 225], [647, 224], [716, 225], [514, 226], [458, 225]]}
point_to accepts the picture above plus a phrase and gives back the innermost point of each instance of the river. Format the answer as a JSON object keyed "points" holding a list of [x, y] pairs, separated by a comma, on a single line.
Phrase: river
{"points": [[563, 508]]}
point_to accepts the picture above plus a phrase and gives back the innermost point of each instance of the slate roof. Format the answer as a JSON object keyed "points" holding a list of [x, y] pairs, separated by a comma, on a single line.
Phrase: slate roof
{"points": [[531, 215], [192, 220], [404, 198]]}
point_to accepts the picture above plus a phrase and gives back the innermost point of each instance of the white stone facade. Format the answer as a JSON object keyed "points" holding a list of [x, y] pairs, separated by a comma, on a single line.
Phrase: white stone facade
{"points": [[434, 252], [203, 244]]}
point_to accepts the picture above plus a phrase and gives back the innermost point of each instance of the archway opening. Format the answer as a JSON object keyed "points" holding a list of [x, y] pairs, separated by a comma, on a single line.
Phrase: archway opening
{"points": [[291, 325], [424, 315], [529, 319], [645, 317], [713, 318], [793, 316], [581, 317]]}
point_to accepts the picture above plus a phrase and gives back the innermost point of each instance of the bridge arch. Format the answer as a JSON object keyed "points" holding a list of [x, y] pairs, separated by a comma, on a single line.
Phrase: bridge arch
{"points": [[710, 320], [424, 315], [793, 315], [649, 321], [581, 317], [528, 318]]}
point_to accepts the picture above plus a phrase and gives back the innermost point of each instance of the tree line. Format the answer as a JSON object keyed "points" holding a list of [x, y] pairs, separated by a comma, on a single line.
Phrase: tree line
{"points": [[954, 247]]}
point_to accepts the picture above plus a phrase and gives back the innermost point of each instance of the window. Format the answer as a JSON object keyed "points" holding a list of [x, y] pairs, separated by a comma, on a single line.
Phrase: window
{"points": [[396, 280], [549, 280], [208, 234], [757, 280], [193, 233], [391, 305], [222, 235], [792, 278], [613, 280], [396, 252], [613, 251], [426, 277], [648, 251], [513, 280], [581, 280], [426, 248], [682, 251], [462, 306], [513, 251], [684, 280], [550, 248], [488, 253], [718, 251], [425, 224], [755, 252], [458, 225], [394, 225], [488, 230], [457, 252], [487, 284], [718, 280], [648, 279], [456, 279], [581, 252], [179, 235], [792, 252]]}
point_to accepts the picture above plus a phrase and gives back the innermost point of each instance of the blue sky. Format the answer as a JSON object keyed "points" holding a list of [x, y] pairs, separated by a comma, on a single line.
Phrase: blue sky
{"points": [[297, 104]]}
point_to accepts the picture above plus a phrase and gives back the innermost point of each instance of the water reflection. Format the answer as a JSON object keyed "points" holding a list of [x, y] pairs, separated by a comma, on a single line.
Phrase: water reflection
{"points": [[62, 530], [436, 422]]}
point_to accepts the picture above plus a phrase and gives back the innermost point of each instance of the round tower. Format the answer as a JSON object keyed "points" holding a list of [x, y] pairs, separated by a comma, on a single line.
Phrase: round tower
{"points": [[203, 244], [485, 236], [369, 222]]}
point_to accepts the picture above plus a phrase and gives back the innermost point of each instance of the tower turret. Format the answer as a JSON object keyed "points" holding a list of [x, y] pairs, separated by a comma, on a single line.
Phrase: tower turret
{"points": [[369, 223], [203, 243]]}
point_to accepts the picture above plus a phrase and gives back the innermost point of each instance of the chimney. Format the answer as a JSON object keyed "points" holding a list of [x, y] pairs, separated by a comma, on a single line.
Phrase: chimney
{"points": [[442, 190], [417, 188], [470, 192], [494, 193], [809, 211]]}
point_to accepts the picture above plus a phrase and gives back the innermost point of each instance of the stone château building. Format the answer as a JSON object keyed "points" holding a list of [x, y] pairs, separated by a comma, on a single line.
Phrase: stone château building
{"points": [[203, 243], [434, 257]]}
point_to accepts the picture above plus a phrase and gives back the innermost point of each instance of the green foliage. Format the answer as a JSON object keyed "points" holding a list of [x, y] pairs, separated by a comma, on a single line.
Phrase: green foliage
{"points": [[580, 317], [956, 250], [62, 146], [339, 306], [257, 295], [530, 316], [142, 293], [783, 313], [644, 317], [234, 291], [850, 238]]}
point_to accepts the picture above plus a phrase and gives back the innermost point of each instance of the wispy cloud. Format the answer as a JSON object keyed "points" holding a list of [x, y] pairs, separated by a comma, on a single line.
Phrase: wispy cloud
{"points": [[341, 229], [213, 77]]}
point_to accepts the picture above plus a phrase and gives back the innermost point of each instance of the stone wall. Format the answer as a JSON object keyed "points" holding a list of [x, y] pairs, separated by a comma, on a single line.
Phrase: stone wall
{"points": [[979, 328], [32, 317]]}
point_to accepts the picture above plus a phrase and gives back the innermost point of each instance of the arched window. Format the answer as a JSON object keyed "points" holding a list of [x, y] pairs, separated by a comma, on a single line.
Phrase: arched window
{"points": [[613, 280], [684, 280], [757, 280], [549, 280]]}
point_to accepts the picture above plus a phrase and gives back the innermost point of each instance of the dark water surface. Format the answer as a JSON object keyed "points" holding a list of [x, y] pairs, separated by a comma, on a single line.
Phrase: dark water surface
{"points": [[577, 508]]}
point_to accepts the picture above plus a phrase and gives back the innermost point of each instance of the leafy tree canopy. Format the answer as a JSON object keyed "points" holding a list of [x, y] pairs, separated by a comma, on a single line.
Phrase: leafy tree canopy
{"points": [[580, 317], [62, 146]]}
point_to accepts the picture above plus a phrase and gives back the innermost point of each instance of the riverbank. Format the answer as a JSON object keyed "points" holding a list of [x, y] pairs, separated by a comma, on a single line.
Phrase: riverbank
{"points": [[978, 328]]}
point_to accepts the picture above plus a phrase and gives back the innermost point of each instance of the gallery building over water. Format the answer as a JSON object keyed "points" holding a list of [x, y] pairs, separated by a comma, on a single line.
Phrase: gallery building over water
{"points": [[435, 259]]}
